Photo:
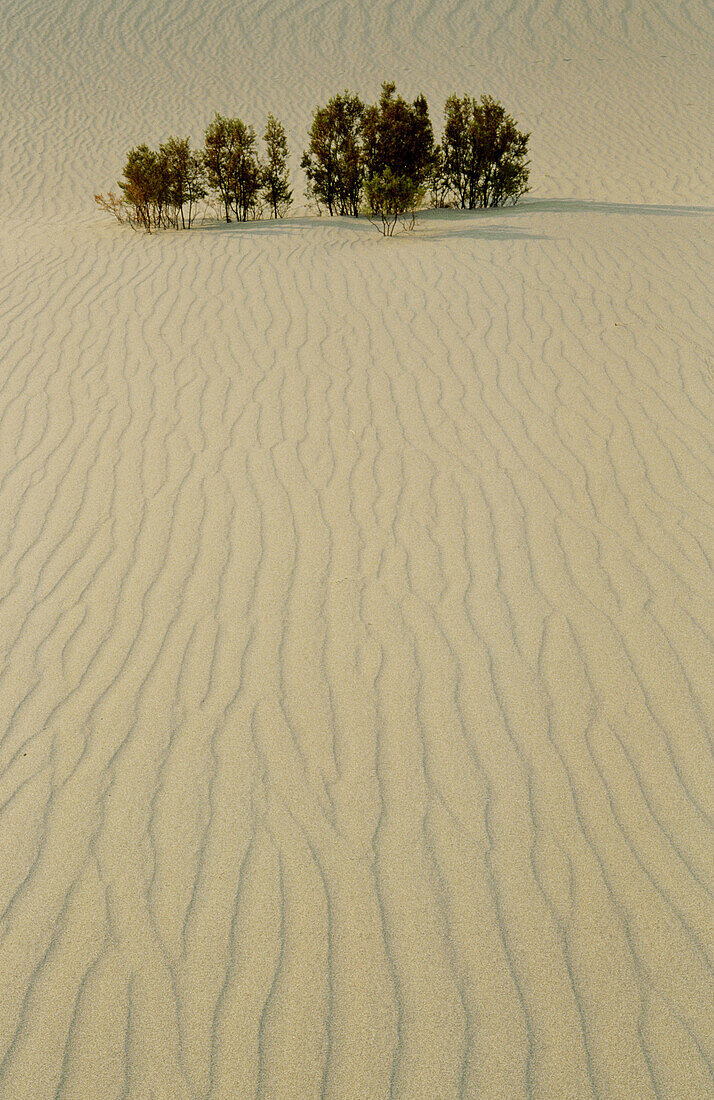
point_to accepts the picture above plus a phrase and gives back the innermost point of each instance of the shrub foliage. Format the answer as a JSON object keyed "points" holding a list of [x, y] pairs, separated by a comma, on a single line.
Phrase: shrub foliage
{"points": [[392, 199], [232, 166], [484, 153], [275, 173], [380, 159], [333, 160], [398, 136], [162, 189], [185, 179]]}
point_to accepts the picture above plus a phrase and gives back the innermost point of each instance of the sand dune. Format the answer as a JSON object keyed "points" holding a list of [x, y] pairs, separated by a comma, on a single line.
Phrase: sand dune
{"points": [[356, 605]]}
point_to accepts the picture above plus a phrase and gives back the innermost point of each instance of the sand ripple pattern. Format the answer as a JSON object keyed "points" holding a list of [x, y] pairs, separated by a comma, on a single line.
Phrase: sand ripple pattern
{"points": [[355, 676], [356, 602]]}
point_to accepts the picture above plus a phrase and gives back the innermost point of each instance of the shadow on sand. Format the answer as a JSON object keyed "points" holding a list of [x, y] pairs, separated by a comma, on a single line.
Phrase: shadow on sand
{"points": [[438, 225], [432, 225], [583, 206]]}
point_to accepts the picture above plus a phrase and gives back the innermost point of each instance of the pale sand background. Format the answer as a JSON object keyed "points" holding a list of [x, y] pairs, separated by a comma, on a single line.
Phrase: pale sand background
{"points": [[356, 598]]}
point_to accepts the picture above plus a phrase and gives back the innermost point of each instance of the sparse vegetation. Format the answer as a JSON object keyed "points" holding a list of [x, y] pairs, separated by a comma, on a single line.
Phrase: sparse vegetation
{"points": [[333, 160], [484, 154], [276, 176], [398, 136], [185, 179], [380, 160], [437, 185], [233, 170], [392, 199], [160, 188]]}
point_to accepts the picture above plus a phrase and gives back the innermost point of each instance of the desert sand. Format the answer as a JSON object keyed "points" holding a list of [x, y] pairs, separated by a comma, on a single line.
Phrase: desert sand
{"points": [[356, 601]]}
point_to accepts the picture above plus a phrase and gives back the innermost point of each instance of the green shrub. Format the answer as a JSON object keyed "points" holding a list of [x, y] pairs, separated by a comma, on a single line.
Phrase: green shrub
{"points": [[333, 159], [276, 177], [398, 136], [484, 153], [159, 189], [392, 199], [233, 169]]}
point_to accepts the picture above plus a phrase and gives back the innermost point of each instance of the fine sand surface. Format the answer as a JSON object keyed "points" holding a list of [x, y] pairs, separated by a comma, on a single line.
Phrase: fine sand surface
{"points": [[356, 601]]}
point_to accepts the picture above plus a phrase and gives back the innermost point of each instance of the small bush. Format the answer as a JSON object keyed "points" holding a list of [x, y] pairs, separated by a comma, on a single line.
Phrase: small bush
{"points": [[437, 183], [276, 177], [484, 153], [145, 186], [185, 180], [333, 159], [116, 205], [160, 189], [392, 199], [232, 166], [398, 136]]}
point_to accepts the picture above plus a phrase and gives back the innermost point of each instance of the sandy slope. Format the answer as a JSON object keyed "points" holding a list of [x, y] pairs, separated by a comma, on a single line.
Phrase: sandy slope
{"points": [[356, 693]]}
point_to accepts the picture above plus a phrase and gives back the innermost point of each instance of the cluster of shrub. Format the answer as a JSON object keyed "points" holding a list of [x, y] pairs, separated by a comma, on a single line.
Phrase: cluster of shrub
{"points": [[381, 160], [162, 188]]}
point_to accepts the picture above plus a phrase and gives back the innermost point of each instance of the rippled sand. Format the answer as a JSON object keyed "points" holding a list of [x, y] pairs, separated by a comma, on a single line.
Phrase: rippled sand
{"points": [[356, 602]]}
